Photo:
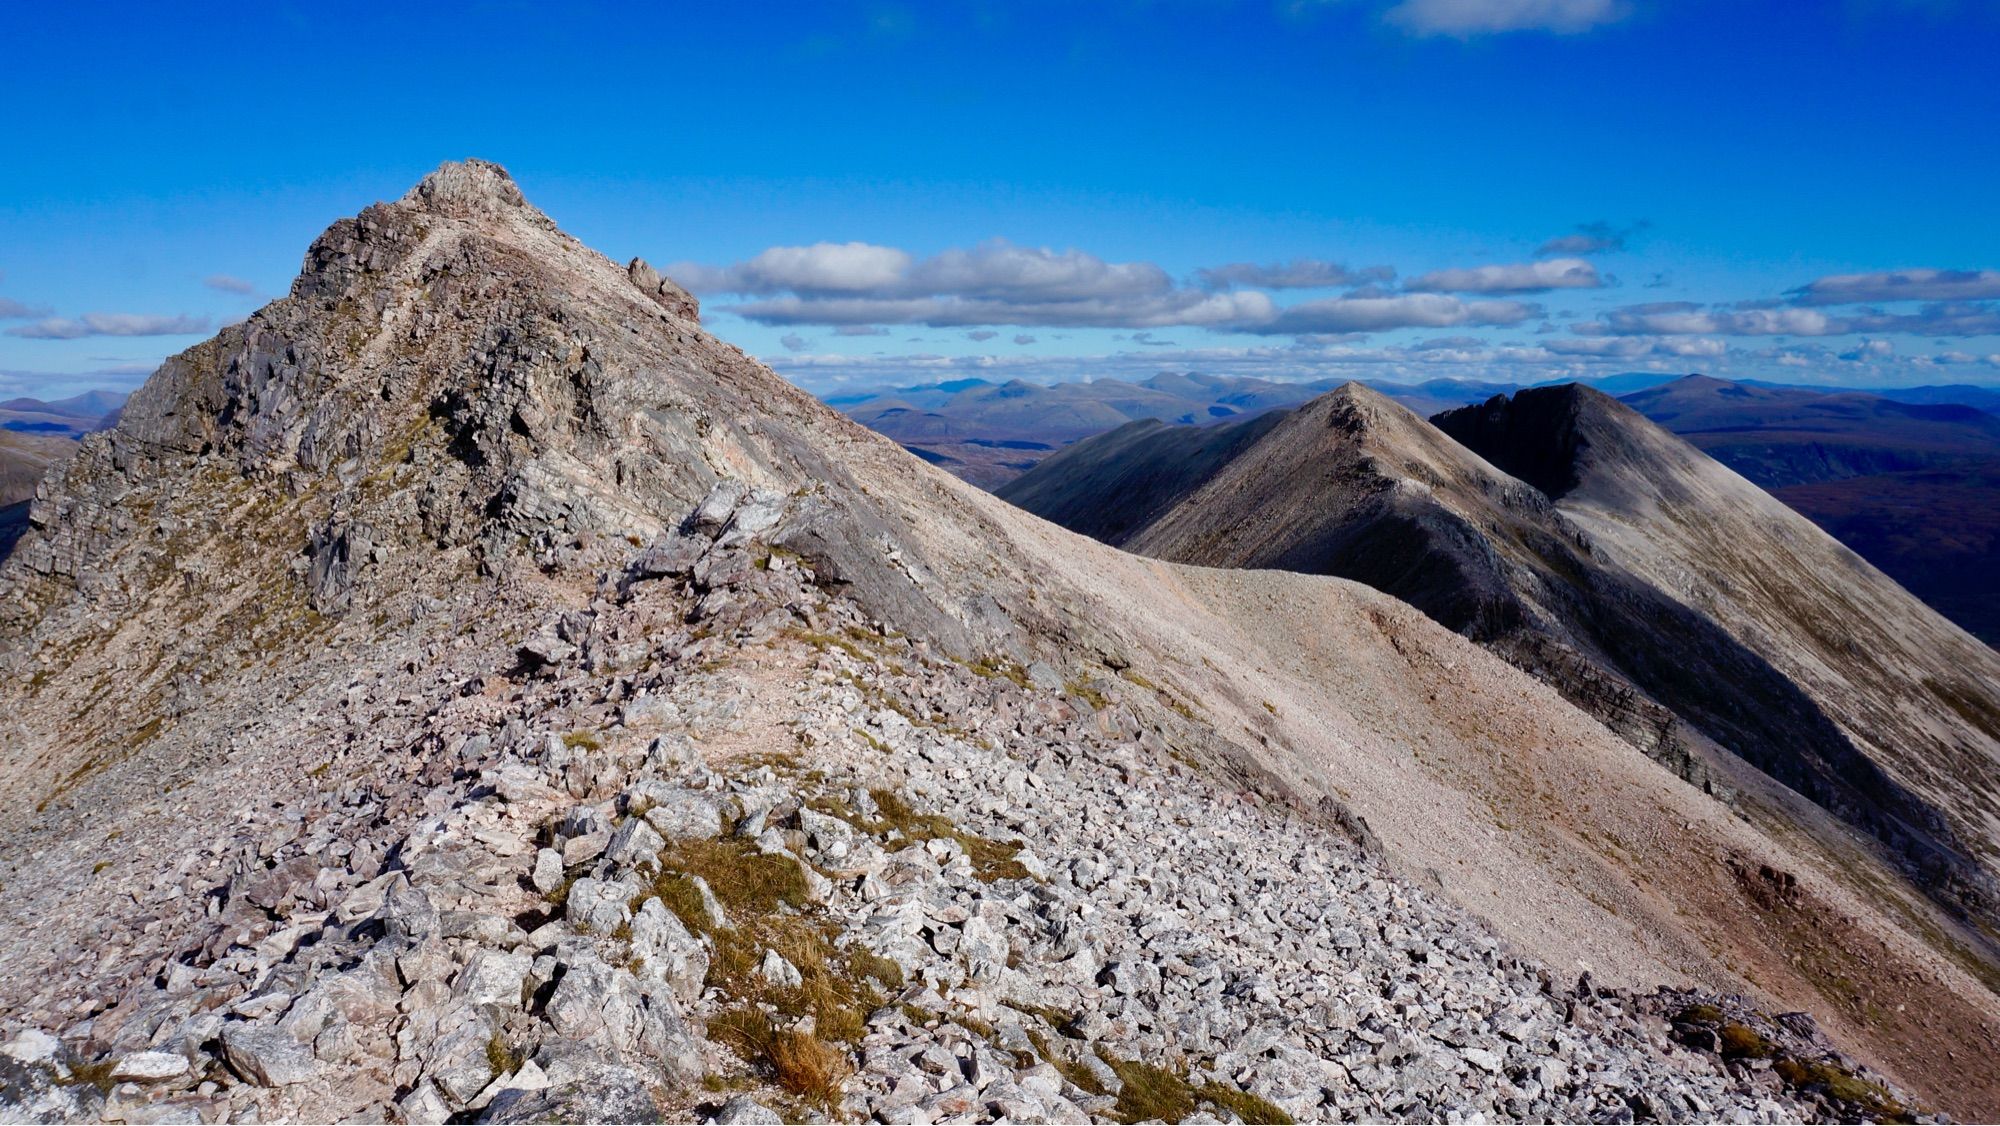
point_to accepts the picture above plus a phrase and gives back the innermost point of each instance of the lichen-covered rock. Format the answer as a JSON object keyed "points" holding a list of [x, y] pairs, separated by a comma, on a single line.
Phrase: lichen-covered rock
{"points": [[266, 1056]]}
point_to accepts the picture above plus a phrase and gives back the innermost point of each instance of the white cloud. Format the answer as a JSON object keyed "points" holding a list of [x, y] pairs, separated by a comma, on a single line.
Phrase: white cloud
{"points": [[1172, 308], [994, 270], [1591, 238], [1682, 318], [981, 335], [793, 342], [1024, 339], [1635, 347], [999, 270], [224, 283], [1403, 310], [12, 310], [823, 267], [1299, 273], [1524, 277], [1466, 18], [994, 283], [1901, 285], [110, 324]]}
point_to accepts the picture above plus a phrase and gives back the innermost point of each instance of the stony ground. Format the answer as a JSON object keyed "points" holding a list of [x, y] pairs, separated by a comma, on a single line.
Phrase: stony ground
{"points": [[720, 848]]}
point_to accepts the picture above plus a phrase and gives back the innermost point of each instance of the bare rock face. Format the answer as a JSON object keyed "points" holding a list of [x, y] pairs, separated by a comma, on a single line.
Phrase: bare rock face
{"points": [[668, 292], [467, 691]]}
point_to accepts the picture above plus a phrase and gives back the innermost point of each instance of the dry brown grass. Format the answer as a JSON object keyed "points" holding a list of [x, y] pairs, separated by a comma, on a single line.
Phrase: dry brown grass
{"points": [[991, 860], [798, 1061]]}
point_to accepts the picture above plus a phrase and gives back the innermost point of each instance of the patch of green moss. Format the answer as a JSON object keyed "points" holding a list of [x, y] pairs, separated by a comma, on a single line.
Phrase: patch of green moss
{"points": [[1873, 1099], [1699, 1014], [1743, 1042]]}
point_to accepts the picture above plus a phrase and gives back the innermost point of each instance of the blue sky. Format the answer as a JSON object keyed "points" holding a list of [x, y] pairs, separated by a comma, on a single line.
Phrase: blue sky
{"points": [[881, 192]]}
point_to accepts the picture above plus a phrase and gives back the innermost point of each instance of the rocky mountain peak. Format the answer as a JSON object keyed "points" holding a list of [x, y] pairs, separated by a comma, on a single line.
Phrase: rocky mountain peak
{"points": [[466, 188], [1534, 435], [468, 690]]}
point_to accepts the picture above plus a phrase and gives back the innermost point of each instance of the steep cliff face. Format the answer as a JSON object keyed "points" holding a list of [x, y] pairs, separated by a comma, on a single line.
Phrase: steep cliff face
{"points": [[379, 686], [24, 458]]}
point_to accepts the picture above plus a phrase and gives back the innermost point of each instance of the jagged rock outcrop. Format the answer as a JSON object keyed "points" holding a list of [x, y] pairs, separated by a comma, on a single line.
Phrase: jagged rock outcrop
{"points": [[24, 458], [466, 690]]}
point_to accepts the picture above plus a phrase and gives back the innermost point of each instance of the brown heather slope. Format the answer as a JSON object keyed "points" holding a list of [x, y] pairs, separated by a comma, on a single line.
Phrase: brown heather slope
{"points": [[460, 417]]}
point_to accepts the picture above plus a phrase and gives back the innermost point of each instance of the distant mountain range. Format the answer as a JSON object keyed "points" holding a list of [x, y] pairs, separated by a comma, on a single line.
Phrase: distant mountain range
{"points": [[63, 418], [1909, 478]]}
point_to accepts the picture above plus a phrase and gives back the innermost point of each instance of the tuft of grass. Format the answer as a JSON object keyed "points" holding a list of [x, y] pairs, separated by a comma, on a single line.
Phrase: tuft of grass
{"points": [[1699, 1014], [1150, 1093], [679, 894], [1244, 1105], [585, 740], [806, 1066], [800, 1062], [771, 909], [1079, 1076], [991, 860], [991, 668], [741, 877], [1083, 690], [1055, 1018], [503, 1059], [824, 641], [869, 964]]}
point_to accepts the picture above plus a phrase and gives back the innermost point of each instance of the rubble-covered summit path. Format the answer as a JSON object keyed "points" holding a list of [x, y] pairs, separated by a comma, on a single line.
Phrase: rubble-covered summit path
{"points": [[720, 847]]}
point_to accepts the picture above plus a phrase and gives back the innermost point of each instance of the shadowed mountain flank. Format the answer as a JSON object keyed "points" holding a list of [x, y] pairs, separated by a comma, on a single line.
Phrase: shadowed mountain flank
{"points": [[1914, 694], [468, 690], [1353, 484], [1147, 464], [1914, 488]]}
